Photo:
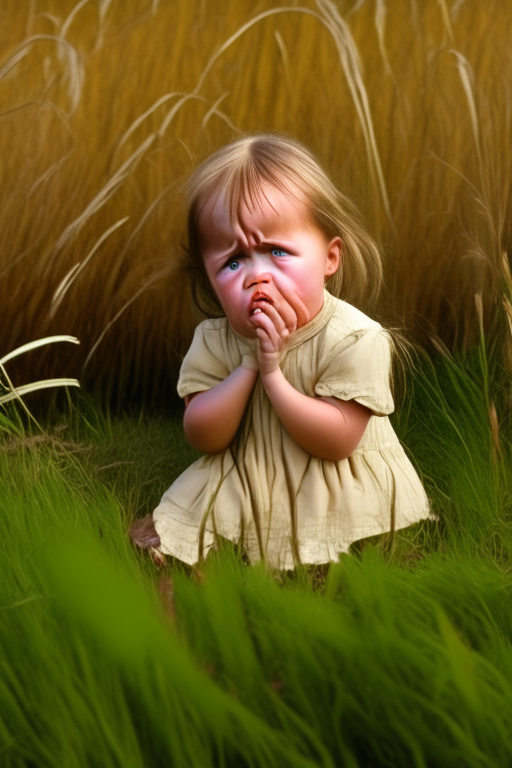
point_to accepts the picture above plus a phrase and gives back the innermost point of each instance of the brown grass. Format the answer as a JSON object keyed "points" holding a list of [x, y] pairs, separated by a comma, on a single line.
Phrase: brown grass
{"points": [[105, 108]]}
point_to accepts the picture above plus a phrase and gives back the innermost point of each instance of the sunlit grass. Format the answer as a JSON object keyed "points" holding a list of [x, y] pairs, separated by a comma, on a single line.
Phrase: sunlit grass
{"points": [[400, 655]]}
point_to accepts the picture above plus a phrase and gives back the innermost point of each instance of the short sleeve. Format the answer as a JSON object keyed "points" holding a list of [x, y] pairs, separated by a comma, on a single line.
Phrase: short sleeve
{"points": [[359, 368], [204, 366]]}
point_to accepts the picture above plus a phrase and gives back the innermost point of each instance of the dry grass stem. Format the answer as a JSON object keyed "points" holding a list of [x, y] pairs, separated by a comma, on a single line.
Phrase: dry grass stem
{"points": [[35, 345], [74, 70], [104, 195], [65, 285], [68, 22], [493, 420], [149, 282]]}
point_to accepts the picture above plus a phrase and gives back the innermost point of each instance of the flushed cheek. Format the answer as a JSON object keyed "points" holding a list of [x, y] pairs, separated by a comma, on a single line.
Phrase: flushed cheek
{"points": [[232, 298], [290, 284], [229, 285], [304, 285], [240, 320]]}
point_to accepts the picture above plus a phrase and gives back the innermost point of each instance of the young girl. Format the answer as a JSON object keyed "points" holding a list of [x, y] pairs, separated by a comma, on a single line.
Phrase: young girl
{"points": [[287, 389]]}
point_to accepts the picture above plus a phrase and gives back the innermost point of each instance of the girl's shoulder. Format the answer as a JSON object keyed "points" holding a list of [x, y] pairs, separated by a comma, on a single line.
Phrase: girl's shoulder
{"points": [[216, 337], [213, 324], [212, 331], [347, 319], [351, 334]]}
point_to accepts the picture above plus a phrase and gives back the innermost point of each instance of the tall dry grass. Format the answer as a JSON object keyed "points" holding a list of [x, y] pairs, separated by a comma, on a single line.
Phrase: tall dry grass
{"points": [[105, 108]]}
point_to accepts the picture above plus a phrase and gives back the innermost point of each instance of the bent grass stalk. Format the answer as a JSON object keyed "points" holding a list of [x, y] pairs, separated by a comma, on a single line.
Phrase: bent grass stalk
{"points": [[69, 279], [148, 283], [104, 194], [74, 71], [17, 393], [329, 16]]}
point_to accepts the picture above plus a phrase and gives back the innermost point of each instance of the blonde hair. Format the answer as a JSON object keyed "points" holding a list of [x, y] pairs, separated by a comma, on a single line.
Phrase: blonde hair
{"points": [[241, 170]]}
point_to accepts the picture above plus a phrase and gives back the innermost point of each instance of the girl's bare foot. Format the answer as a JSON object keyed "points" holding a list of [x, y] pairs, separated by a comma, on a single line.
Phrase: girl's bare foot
{"points": [[144, 535]]}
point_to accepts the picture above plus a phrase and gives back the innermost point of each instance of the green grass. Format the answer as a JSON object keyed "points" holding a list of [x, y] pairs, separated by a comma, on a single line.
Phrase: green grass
{"points": [[400, 655]]}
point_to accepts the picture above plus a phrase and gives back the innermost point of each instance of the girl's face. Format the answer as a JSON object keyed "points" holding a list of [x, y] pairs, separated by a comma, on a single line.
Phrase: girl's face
{"points": [[273, 253]]}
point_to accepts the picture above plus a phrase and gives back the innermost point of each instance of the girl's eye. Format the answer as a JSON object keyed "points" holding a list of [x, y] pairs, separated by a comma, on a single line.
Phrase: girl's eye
{"points": [[233, 264], [278, 252]]}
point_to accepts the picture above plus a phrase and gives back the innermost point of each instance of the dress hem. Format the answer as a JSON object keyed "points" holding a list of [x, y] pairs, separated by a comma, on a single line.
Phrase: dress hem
{"points": [[190, 551]]}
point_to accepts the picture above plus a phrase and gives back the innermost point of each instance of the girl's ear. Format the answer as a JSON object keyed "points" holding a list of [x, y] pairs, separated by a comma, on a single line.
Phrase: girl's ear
{"points": [[333, 256]]}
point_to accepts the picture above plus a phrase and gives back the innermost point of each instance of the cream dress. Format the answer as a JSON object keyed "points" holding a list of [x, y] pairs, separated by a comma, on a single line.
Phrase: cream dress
{"points": [[284, 505]]}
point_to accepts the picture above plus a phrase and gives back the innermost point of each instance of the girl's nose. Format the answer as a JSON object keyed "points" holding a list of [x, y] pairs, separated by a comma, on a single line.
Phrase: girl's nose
{"points": [[256, 278]]}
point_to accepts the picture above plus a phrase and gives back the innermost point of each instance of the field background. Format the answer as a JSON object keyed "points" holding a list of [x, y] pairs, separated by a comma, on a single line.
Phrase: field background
{"points": [[399, 655], [106, 107]]}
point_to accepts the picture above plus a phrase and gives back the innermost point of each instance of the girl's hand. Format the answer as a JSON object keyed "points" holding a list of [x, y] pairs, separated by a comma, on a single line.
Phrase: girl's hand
{"points": [[250, 355], [274, 324]]}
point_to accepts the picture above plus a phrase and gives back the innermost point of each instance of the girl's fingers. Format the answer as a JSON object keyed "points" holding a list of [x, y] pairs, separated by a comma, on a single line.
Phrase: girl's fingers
{"points": [[266, 344], [267, 332], [286, 314], [293, 311], [283, 313], [270, 311]]}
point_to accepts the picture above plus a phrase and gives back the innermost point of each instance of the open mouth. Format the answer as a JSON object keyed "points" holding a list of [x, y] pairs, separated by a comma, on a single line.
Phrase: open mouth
{"points": [[257, 300]]}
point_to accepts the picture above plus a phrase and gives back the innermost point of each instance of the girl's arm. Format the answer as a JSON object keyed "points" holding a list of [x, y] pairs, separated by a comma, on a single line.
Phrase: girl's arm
{"points": [[326, 428], [212, 417]]}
